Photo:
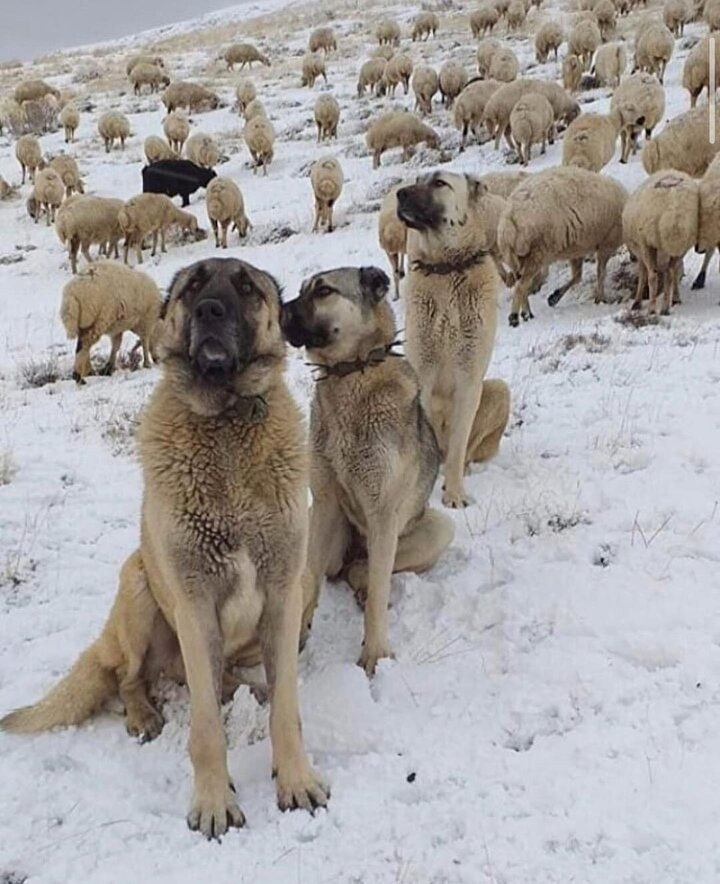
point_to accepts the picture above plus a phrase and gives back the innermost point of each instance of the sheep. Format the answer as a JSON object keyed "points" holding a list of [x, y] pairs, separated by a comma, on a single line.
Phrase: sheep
{"points": [[225, 206], [485, 52], [589, 141], [532, 121], [244, 94], [561, 213], [424, 26], [176, 129], [609, 65], [109, 299], [202, 150], [67, 169], [675, 14], [499, 106], [502, 183], [425, 84], [326, 178], [708, 238], [113, 126], [156, 60], [83, 221], [711, 14], [11, 115], [327, 117], [660, 225], [470, 107], [255, 109], [398, 70], [157, 148], [385, 52], [504, 66], [696, 70], [371, 73], [259, 136], [41, 114], [501, 6], [313, 66], [29, 155], [483, 20], [638, 102], [244, 54], [193, 96], [70, 120], [653, 49], [549, 37], [47, 194], [148, 75], [31, 90], [392, 236], [515, 15], [398, 129], [683, 145], [451, 79], [151, 214], [583, 40], [604, 11], [572, 71], [388, 33], [322, 38]]}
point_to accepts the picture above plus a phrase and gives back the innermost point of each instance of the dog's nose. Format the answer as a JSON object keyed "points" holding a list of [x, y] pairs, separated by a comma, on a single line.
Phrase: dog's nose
{"points": [[209, 309]]}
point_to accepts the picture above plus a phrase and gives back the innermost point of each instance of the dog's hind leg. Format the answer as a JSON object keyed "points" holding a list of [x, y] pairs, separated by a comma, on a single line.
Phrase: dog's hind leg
{"points": [[490, 421]]}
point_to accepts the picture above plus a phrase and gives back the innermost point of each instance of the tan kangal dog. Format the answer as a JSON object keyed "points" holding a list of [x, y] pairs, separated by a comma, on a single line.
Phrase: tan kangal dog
{"points": [[217, 578], [374, 456], [451, 318]]}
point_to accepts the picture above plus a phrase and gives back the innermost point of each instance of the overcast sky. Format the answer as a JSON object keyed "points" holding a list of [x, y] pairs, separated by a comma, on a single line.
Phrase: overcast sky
{"points": [[34, 27]]}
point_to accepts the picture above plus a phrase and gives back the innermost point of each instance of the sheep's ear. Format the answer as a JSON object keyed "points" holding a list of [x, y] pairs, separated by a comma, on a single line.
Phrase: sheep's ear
{"points": [[476, 187], [374, 283]]}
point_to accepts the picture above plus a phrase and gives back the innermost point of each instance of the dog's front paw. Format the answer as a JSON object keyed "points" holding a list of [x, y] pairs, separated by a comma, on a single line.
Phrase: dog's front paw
{"points": [[214, 812], [299, 786], [371, 655], [455, 500]]}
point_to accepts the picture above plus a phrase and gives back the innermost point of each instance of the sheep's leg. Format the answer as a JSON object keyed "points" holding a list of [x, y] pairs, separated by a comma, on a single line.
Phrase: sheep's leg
{"points": [[115, 342], [509, 138], [86, 252], [653, 282], [330, 217], [641, 284], [318, 210], [154, 244], [72, 252], [162, 240], [520, 299], [22, 165], [575, 277], [139, 248], [602, 260], [699, 282], [83, 366]]}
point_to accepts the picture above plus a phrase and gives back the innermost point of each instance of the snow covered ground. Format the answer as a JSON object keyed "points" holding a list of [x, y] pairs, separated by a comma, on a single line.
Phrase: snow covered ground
{"points": [[552, 715]]}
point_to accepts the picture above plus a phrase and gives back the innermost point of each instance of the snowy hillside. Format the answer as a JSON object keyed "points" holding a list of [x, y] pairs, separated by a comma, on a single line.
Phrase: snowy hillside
{"points": [[552, 714]]}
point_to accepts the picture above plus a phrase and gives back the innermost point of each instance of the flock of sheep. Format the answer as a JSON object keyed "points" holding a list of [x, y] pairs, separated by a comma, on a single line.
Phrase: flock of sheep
{"points": [[570, 212]]}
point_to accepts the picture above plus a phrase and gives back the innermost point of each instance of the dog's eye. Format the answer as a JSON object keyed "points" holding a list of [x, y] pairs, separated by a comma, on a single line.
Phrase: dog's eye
{"points": [[438, 182], [323, 292]]}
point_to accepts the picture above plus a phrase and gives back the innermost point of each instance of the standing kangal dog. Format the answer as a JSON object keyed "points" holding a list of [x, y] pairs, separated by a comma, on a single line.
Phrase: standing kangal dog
{"points": [[450, 320], [374, 456], [217, 578]]}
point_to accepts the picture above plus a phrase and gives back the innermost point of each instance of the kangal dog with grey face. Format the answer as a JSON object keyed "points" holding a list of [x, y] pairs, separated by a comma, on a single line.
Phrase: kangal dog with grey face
{"points": [[450, 320]]}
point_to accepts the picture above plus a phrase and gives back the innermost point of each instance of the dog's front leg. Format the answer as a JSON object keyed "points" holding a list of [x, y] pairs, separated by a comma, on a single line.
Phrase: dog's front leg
{"points": [[298, 785], [382, 546], [214, 808], [465, 403]]}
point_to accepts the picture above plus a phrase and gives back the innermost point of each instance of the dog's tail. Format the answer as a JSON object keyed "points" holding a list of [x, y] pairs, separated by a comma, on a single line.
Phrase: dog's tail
{"points": [[73, 699]]}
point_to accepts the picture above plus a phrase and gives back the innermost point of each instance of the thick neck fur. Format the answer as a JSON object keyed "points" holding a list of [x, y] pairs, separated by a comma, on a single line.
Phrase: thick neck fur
{"points": [[380, 332], [448, 243]]}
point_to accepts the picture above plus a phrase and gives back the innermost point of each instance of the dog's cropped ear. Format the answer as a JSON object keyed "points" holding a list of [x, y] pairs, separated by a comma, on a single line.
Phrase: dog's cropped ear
{"points": [[374, 283], [476, 188]]}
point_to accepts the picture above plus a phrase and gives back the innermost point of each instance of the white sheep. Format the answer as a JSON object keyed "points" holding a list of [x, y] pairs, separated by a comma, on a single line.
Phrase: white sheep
{"points": [[254, 109], [157, 148], [6, 190], [532, 121], [559, 214], [696, 70], [499, 106], [604, 11], [572, 71], [176, 129], [504, 65], [425, 83], [515, 15], [113, 126], [653, 49], [371, 73], [245, 92], [639, 103], [660, 225], [589, 141], [148, 75], [109, 299], [549, 37], [259, 136], [392, 236], [151, 214], [225, 206], [485, 52], [398, 129], [244, 54], [711, 14], [708, 238], [424, 26], [202, 150], [397, 70], [31, 90], [451, 80], [29, 155], [470, 106], [156, 60], [675, 14], [326, 178], [683, 145], [327, 117], [483, 20], [47, 194], [67, 169], [193, 96], [388, 33], [83, 221], [502, 183], [322, 38], [583, 40], [70, 120], [610, 63], [313, 66]]}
